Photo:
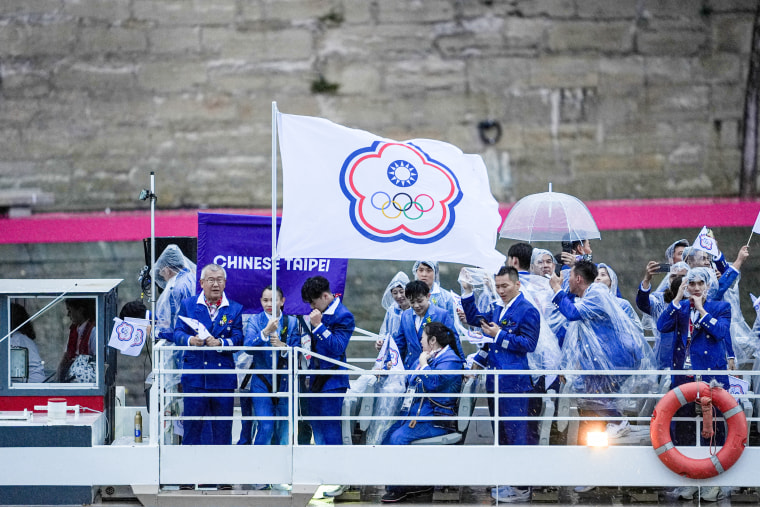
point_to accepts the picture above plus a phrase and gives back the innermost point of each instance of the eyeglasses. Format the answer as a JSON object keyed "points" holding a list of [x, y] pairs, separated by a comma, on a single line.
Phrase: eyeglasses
{"points": [[213, 281]]}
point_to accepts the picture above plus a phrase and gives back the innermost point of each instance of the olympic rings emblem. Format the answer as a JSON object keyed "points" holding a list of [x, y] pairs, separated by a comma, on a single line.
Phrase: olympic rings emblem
{"points": [[402, 202]]}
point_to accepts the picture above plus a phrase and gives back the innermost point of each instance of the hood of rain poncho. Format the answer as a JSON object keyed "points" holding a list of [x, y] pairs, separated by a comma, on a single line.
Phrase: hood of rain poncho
{"points": [[674, 271], [605, 338], [483, 287], [613, 277], [672, 249], [707, 275], [432, 264], [172, 258], [690, 253], [399, 280], [538, 253]]}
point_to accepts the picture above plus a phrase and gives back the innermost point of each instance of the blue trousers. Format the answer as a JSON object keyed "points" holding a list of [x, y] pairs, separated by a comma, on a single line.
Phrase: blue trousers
{"points": [[512, 432], [247, 427], [326, 432], [401, 434], [222, 405]]}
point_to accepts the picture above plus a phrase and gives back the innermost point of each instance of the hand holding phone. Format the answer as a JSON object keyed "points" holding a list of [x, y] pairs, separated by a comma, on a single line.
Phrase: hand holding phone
{"points": [[664, 268]]}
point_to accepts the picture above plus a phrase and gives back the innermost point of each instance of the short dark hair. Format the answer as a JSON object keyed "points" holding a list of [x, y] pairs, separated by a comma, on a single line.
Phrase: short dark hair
{"points": [[314, 287], [19, 315], [672, 290], [587, 270], [416, 288], [570, 246], [86, 305], [135, 309], [522, 252], [443, 335], [509, 271], [269, 287]]}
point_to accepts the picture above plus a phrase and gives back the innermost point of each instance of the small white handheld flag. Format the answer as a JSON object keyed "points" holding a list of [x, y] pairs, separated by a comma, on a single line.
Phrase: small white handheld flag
{"points": [[706, 242], [128, 336]]}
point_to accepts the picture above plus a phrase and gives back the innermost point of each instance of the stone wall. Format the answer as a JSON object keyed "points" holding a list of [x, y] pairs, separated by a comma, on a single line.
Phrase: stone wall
{"points": [[607, 99]]}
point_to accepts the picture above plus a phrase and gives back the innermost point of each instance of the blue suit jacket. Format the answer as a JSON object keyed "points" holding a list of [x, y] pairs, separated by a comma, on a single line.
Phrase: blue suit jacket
{"points": [[447, 359], [227, 326], [331, 340], [408, 337], [708, 340], [263, 360], [520, 328]]}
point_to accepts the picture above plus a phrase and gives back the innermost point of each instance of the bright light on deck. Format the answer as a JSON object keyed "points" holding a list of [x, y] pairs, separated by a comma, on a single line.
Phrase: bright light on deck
{"points": [[596, 439]]}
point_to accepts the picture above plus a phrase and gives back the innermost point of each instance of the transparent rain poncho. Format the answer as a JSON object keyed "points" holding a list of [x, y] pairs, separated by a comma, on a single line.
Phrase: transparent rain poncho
{"points": [[743, 340], [624, 303], [392, 318], [601, 336], [547, 355], [438, 296], [386, 406], [176, 288]]}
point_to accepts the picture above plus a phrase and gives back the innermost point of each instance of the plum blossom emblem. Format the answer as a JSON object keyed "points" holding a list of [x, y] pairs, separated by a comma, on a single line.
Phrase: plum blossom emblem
{"points": [[396, 191]]}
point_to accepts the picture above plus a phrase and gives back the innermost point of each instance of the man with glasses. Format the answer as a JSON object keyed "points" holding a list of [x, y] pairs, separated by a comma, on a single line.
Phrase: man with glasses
{"points": [[212, 323]]}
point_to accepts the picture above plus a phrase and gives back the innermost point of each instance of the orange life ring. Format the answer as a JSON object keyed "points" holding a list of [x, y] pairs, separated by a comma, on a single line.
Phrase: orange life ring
{"points": [[659, 430]]}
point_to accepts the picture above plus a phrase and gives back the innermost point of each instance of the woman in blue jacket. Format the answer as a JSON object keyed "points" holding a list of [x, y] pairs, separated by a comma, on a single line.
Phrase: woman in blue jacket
{"points": [[438, 353], [263, 330]]}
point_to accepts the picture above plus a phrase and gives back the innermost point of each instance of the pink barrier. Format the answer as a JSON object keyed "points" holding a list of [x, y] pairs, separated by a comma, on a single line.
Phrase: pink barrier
{"points": [[135, 225]]}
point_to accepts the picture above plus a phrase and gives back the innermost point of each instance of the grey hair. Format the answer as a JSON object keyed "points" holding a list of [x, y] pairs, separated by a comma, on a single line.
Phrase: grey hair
{"points": [[212, 267]]}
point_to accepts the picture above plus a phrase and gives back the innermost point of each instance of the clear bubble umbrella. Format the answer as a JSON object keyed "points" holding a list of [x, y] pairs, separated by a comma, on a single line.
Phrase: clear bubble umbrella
{"points": [[549, 216]]}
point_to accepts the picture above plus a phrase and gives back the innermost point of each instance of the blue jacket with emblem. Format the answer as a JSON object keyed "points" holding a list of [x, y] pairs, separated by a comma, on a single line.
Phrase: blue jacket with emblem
{"points": [[709, 338], [263, 359], [331, 339], [227, 327], [408, 337], [520, 328], [423, 383]]}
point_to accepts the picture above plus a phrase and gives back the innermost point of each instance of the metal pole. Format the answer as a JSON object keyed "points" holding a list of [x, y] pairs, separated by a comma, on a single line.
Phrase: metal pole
{"points": [[152, 257], [274, 210]]}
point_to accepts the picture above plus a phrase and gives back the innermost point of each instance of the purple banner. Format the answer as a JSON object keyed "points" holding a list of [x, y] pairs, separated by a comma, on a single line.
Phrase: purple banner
{"points": [[242, 245]]}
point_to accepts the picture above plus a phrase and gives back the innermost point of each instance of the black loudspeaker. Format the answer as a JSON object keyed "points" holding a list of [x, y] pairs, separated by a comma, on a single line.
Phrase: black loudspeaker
{"points": [[188, 245]]}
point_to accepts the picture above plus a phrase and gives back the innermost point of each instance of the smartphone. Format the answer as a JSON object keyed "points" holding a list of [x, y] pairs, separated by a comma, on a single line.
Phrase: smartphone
{"points": [[664, 268]]}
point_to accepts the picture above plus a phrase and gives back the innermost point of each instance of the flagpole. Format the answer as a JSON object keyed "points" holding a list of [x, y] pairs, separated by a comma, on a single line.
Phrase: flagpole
{"points": [[274, 208], [750, 238]]}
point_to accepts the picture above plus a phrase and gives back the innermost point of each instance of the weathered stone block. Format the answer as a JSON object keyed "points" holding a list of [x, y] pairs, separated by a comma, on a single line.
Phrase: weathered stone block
{"points": [[355, 77], [498, 76], [747, 6], [258, 46], [27, 40], [685, 101], [27, 7], [719, 68], [670, 41], [174, 40], [556, 72], [589, 164], [196, 106], [370, 41], [186, 12], [525, 32], [102, 79], [295, 11], [171, 76], [609, 37], [24, 81], [601, 9], [552, 8], [105, 39], [415, 11], [732, 33], [668, 70], [624, 73], [108, 10], [414, 77]]}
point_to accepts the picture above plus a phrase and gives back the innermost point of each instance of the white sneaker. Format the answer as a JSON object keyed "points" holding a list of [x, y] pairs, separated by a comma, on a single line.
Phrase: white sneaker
{"points": [[337, 491], [712, 494], [618, 430], [584, 489], [508, 494], [685, 492]]}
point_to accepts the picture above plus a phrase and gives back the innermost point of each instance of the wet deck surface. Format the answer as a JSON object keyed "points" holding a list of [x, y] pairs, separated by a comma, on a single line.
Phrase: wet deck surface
{"points": [[478, 496]]}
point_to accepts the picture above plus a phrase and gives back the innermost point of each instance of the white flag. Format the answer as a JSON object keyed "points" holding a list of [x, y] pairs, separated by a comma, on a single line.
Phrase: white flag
{"points": [[756, 227], [349, 193], [128, 336], [389, 357], [706, 242]]}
